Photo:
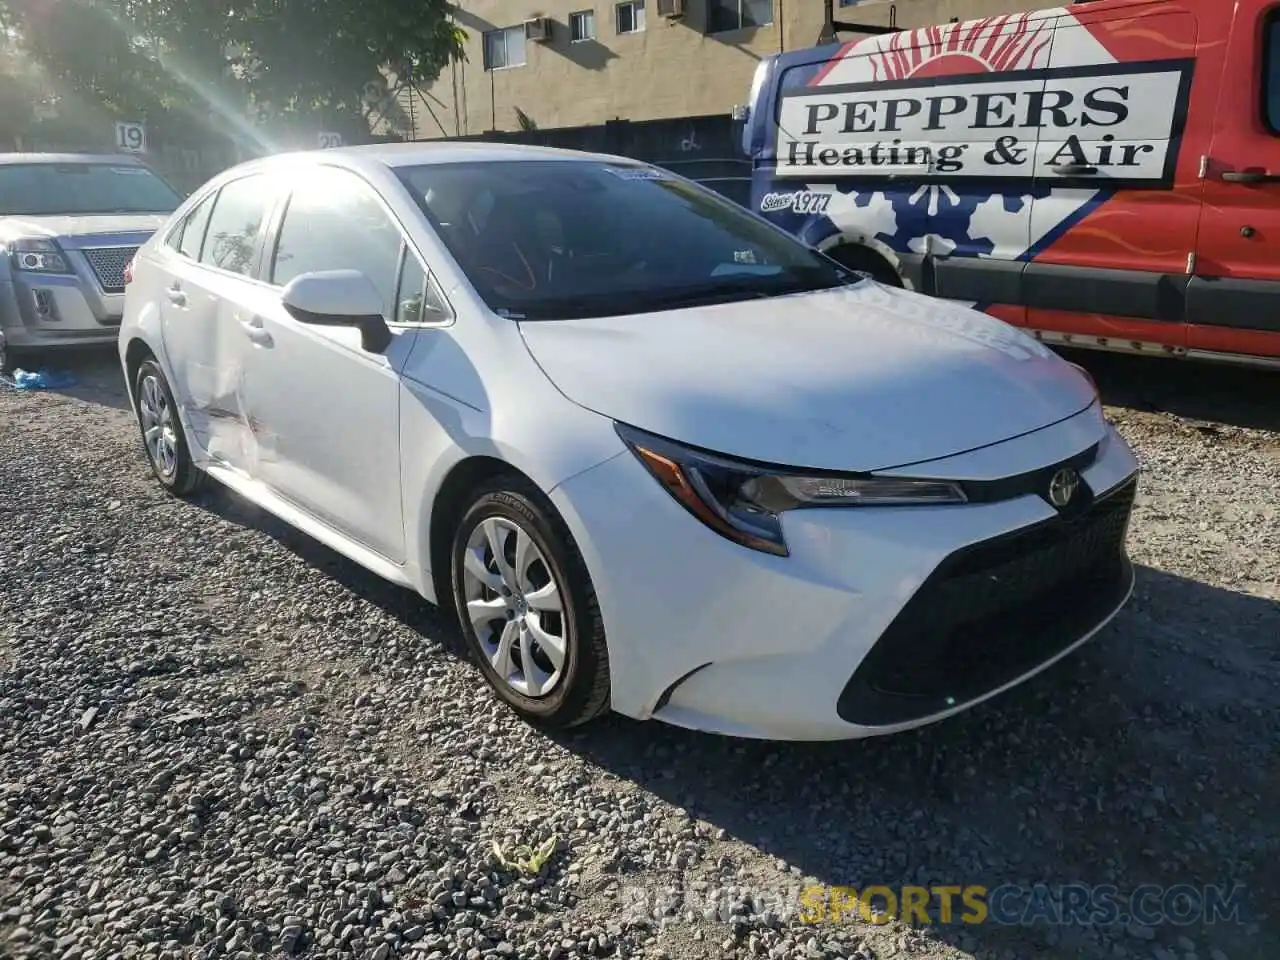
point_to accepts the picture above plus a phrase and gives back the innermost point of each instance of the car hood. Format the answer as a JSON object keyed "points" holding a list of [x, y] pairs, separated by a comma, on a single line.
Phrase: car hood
{"points": [[861, 378], [69, 229]]}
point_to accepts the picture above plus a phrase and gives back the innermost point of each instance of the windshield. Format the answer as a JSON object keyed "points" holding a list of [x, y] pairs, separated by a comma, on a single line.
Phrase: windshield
{"points": [[548, 239], [67, 189]]}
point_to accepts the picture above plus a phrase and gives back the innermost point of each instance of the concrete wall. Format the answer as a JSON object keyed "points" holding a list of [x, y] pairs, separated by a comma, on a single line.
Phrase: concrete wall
{"points": [[673, 68]]}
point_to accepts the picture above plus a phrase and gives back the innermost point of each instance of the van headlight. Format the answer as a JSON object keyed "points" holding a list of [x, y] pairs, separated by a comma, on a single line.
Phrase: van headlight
{"points": [[743, 501]]}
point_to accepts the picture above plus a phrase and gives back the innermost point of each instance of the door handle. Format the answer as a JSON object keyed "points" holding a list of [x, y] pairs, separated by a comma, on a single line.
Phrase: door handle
{"points": [[1250, 176], [256, 332], [1075, 170], [176, 296]]}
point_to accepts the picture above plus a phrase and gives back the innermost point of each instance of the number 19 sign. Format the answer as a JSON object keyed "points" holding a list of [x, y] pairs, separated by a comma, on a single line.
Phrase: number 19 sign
{"points": [[131, 137]]}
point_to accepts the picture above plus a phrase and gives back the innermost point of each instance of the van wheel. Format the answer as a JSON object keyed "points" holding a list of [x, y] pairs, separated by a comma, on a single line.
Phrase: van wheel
{"points": [[868, 261]]}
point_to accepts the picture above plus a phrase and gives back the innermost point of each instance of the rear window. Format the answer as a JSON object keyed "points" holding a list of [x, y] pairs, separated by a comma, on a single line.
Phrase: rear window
{"points": [[1271, 73], [67, 189]]}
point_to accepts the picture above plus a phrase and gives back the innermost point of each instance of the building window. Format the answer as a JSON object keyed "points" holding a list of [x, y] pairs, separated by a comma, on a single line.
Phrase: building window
{"points": [[582, 26], [631, 16], [724, 15], [504, 48]]}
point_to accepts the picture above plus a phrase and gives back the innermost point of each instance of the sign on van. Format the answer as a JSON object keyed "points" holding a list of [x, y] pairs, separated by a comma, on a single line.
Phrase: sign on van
{"points": [[1122, 119]]}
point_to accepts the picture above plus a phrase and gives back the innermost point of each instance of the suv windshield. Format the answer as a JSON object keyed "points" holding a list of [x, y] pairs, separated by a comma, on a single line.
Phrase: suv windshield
{"points": [[547, 239], [65, 189]]}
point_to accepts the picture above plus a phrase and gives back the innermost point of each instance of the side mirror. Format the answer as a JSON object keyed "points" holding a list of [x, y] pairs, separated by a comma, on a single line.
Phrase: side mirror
{"points": [[339, 298]]}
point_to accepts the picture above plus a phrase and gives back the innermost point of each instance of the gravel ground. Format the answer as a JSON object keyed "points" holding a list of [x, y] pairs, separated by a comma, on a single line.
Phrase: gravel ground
{"points": [[221, 740]]}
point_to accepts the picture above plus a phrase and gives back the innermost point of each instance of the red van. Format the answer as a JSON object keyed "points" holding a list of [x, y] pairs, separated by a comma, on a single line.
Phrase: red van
{"points": [[1105, 174]]}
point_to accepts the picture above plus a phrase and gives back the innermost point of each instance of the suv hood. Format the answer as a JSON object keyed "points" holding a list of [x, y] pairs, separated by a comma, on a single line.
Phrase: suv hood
{"points": [[70, 230], [861, 378]]}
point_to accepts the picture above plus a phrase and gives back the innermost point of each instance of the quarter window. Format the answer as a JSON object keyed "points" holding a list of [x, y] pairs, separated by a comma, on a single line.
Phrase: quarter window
{"points": [[725, 15], [582, 26], [630, 16], [504, 48], [418, 299], [335, 222], [1271, 74], [232, 234]]}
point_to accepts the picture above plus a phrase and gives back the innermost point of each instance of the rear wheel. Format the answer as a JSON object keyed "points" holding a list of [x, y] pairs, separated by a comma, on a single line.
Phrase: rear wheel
{"points": [[162, 433], [527, 608], [868, 261]]}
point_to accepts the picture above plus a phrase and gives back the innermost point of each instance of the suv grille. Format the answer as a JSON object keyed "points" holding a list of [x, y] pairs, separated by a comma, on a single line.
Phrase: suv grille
{"points": [[108, 265], [994, 610]]}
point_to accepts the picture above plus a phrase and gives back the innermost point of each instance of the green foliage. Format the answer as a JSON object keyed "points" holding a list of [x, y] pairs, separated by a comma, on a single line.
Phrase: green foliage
{"points": [[286, 66]]}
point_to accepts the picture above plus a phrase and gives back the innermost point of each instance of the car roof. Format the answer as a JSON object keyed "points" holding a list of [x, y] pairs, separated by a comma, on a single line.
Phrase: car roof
{"points": [[417, 153], [392, 155], [116, 159]]}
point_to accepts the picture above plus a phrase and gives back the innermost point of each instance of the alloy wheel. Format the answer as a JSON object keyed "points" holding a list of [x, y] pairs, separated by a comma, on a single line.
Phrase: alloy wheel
{"points": [[158, 431], [515, 607]]}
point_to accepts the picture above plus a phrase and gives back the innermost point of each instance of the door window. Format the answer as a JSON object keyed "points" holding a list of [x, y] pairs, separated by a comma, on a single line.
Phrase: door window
{"points": [[232, 235], [189, 237], [335, 222]]}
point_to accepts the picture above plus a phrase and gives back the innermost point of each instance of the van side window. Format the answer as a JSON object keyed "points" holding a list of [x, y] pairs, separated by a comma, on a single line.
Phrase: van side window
{"points": [[1271, 73]]}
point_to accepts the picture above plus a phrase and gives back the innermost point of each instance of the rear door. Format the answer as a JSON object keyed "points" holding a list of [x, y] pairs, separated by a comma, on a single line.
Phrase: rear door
{"points": [[1117, 174], [216, 350], [1233, 303]]}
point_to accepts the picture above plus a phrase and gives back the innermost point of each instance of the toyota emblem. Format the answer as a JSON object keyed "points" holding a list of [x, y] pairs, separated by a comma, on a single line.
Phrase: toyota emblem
{"points": [[1063, 487]]}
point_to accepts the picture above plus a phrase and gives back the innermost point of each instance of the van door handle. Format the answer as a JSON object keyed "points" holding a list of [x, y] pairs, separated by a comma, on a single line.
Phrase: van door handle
{"points": [[1250, 176], [1075, 170], [176, 296]]}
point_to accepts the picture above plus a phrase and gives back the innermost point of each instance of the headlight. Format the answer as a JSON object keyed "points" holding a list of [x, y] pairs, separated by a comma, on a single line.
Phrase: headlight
{"points": [[742, 501], [37, 255]]}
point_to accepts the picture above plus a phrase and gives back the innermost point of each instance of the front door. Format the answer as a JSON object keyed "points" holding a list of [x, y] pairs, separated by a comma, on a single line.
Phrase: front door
{"points": [[1118, 189], [1233, 302], [325, 412]]}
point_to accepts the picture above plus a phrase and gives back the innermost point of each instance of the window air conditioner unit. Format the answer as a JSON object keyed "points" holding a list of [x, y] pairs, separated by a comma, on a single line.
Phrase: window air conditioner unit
{"points": [[671, 9], [538, 28]]}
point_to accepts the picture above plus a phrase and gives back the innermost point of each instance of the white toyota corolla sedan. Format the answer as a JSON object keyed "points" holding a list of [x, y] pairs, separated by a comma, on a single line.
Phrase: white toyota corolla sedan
{"points": [[659, 456]]}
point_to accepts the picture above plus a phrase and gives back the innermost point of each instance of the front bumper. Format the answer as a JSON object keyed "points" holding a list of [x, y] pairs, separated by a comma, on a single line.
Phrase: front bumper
{"points": [[54, 310], [882, 619]]}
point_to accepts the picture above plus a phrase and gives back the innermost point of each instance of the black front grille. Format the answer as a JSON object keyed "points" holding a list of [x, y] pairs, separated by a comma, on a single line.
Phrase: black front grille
{"points": [[994, 610], [108, 265]]}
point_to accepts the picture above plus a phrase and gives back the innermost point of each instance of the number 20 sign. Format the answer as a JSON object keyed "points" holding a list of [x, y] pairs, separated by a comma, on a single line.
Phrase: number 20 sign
{"points": [[131, 137]]}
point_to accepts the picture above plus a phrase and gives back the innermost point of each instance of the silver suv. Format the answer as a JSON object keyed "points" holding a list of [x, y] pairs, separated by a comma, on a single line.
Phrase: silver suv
{"points": [[69, 226]]}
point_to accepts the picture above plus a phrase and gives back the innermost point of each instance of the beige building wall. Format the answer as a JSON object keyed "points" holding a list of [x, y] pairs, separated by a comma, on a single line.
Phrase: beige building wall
{"points": [[671, 68]]}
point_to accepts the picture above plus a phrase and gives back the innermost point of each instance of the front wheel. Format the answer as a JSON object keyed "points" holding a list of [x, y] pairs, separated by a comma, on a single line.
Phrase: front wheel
{"points": [[162, 434], [527, 608]]}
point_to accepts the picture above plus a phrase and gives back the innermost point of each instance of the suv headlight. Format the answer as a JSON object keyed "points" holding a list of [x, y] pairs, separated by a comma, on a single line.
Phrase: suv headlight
{"points": [[37, 255], [743, 501]]}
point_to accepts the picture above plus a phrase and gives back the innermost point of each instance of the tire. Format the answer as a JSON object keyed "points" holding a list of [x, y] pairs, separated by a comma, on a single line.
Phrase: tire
{"points": [[154, 407], [869, 262], [577, 691]]}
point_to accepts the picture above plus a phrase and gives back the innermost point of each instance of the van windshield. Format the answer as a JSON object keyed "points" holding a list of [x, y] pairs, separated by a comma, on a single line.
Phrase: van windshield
{"points": [[82, 189], [548, 239]]}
